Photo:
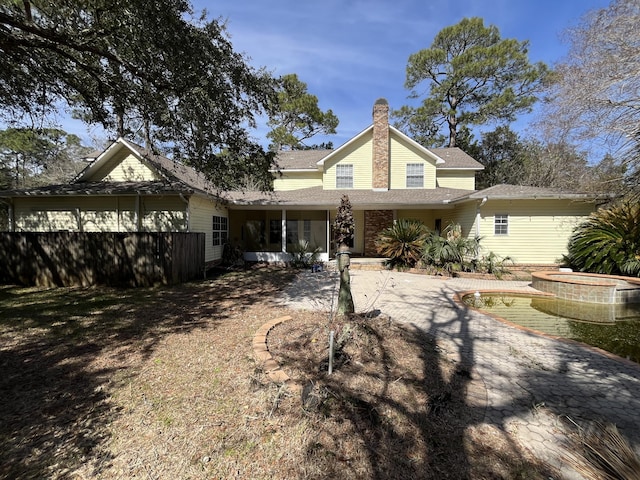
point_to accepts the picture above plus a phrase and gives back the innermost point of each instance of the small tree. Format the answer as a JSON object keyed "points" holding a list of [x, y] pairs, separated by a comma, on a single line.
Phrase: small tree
{"points": [[343, 230]]}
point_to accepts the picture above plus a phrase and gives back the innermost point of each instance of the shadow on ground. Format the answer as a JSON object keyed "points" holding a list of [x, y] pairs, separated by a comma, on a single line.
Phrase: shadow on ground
{"points": [[396, 407], [62, 348]]}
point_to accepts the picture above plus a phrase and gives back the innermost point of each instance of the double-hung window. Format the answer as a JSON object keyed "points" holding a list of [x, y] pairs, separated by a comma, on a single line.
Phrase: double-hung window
{"points": [[501, 224], [415, 175], [220, 230], [344, 176]]}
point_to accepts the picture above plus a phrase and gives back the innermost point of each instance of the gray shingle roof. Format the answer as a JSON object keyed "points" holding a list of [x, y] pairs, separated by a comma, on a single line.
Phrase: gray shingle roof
{"points": [[514, 192], [103, 188], [317, 197], [300, 159], [175, 172], [178, 178], [454, 158]]}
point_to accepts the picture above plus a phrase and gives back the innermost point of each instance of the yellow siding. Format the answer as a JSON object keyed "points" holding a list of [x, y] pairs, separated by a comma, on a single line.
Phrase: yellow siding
{"points": [[403, 153], [131, 170], [163, 214], [424, 216], [538, 229], [464, 179], [201, 213], [46, 214], [99, 214], [297, 180], [463, 215], [359, 154], [124, 166]]}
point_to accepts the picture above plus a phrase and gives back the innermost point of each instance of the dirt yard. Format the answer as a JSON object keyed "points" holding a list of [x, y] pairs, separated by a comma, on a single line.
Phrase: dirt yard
{"points": [[162, 383]]}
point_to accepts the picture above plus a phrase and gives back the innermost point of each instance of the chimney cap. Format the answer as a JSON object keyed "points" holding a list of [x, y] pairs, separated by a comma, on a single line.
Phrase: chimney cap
{"points": [[381, 101]]}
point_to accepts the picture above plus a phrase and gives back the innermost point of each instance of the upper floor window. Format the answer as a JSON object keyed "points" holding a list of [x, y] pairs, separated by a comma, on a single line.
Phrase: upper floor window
{"points": [[415, 175], [501, 224], [344, 176], [220, 230]]}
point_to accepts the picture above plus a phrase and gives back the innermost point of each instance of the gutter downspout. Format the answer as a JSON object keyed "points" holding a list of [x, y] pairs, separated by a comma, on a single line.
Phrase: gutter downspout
{"points": [[480, 205]]}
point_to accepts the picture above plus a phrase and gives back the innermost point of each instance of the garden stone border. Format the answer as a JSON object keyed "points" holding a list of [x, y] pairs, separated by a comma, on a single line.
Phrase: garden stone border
{"points": [[264, 357]]}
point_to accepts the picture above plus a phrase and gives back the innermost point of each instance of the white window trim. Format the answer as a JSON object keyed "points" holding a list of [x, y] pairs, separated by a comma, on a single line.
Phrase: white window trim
{"points": [[222, 230], [413, 175], [502, 224], [342, 175]]}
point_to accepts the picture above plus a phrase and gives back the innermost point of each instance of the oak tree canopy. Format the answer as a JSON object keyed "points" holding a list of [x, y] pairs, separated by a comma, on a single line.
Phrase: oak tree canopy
{"points": [[151, 71]]}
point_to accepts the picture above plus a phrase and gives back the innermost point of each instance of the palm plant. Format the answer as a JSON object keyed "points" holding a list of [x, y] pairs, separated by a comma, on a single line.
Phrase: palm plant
{"points": [[402, 242], [607, 242], [450, 253]]}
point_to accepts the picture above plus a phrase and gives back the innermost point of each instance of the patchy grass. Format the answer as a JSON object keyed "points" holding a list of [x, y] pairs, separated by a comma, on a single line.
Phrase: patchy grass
{"points": [[162, 383]]}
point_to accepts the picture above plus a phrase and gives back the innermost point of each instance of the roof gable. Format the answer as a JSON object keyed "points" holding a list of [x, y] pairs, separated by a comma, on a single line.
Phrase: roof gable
{"points": [[164, 169], [443, 158]]}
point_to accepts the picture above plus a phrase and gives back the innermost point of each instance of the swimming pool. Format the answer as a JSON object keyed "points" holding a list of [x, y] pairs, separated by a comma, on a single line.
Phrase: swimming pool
{"points": [[614, 328]]}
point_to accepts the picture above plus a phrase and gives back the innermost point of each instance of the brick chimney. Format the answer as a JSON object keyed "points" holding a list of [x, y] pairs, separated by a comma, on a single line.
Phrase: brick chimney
{"points": [[381, 145]]}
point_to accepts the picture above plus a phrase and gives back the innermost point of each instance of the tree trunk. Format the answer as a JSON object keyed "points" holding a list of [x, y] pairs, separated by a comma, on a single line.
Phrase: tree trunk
{"points": [[453, 130], [345, 299]]}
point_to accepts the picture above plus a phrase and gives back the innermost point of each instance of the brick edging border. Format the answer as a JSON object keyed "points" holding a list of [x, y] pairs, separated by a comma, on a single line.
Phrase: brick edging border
{"points": [[264, 357]]}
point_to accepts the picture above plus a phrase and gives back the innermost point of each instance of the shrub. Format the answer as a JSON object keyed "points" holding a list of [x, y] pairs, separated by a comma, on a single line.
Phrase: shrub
{"points": [[451, 253], [402, 242], [304, 254], [492, 263], [607, 242]]}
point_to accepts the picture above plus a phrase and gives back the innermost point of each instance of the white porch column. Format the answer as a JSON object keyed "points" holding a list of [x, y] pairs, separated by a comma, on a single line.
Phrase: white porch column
{"points": [[328, 227]]}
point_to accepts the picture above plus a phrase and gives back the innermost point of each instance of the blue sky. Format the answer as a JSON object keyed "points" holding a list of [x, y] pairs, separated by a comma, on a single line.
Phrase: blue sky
{"points": [[351, 52]]}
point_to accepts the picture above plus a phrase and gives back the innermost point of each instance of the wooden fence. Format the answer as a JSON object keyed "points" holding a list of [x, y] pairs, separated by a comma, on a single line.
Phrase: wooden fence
{"points": [[84, 259]]}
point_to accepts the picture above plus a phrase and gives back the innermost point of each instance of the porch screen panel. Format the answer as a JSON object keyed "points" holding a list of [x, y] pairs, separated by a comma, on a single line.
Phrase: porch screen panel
{"points": [[260, 231], [309, 226]]}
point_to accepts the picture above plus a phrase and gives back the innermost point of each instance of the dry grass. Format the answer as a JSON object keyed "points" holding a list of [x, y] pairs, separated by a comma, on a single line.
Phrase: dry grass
{"points": [[162, 383], [600, 452]]}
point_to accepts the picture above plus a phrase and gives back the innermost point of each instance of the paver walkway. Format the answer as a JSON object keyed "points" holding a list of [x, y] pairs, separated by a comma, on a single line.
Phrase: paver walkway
{"points": [[532, 381]]}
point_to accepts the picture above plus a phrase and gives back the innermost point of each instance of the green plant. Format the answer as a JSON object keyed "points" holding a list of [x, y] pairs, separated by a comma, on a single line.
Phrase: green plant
{"points": [[493, 264], [607, 242], [304, 254], [402, 242], [450, 253]]}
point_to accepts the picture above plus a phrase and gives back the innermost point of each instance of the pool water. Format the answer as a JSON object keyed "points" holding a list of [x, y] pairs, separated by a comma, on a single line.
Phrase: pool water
{"points": [[614, 328]]}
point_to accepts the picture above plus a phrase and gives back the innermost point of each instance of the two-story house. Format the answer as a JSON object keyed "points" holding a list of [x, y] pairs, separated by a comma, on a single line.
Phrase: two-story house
{"points": [[385, 174], [388, 176]]}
